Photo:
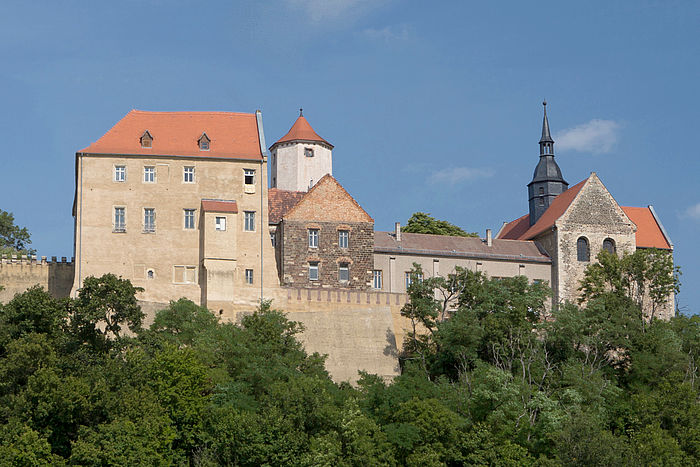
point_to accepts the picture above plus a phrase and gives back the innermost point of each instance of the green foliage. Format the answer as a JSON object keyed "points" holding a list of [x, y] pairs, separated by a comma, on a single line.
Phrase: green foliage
{"points": [[14, 240], [421, 222]]}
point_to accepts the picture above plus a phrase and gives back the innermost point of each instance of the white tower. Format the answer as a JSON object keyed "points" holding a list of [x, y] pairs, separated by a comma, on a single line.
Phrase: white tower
{"points": [[300, 158]]}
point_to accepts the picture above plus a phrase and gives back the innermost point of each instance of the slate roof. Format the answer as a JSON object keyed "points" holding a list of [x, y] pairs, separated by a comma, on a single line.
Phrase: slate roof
{"points": [[280, 202], [232, 135], [468, 247]]}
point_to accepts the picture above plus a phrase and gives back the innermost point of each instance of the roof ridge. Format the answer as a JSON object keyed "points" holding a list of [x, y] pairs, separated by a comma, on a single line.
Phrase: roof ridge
{"points": [[184, 112]]}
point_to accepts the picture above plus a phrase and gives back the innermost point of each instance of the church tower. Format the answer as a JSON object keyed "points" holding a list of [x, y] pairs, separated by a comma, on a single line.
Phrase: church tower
{"points": [[300, 158], [547, 182]]}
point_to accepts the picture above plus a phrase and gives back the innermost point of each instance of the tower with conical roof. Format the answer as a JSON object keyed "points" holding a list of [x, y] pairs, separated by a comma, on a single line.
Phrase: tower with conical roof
{"points": [[547, 182], [300, 158]]}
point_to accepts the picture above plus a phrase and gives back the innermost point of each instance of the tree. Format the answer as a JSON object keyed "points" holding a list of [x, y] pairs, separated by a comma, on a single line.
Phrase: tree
{"points": [[421, 222], [13, 239]]}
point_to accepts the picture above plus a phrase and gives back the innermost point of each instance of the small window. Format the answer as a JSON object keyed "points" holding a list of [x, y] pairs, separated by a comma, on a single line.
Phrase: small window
{"points": [[188, 175], [249, 219], [541, 201], [249, 177], [149, 174], [343, 272], [146, 140], [582, 250], [150, 274], [204, 142], [149, 220], [308, 152], [119, 219], [274, 182], [343, 236], [313, 271], [220, 223], [189, 218], [248, 276], [609, 245], [119, 173], [184, 274], [272, 240], [313, 238], [377, 279]]}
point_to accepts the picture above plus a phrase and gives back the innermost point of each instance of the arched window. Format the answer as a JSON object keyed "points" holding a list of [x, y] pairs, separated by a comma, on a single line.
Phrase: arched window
{"points": [[583, 253], [609, 245]]}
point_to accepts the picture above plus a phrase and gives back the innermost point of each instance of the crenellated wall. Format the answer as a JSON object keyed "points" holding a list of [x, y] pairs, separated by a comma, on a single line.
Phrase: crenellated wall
{"points": [[18, 273]]}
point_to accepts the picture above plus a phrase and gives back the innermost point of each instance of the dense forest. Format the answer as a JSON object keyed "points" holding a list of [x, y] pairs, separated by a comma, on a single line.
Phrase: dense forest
{"points": [[489, 377]]}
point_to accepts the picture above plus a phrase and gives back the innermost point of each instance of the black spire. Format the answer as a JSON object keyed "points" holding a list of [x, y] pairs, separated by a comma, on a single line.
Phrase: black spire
{"points": [[547, 182]]}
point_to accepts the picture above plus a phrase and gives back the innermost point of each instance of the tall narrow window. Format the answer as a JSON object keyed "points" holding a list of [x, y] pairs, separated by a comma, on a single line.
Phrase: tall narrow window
{"points": [[249, 176], [149, 220], [189, 218], [313, 238], [249, 219], [582, 251], [120, 219], [248, 276], [188, 175], [408, 279], [313, 271], [343, 236], [220, 223], [377, 279], [343, 272], [609, 245], [149, 174], [119, 173]]}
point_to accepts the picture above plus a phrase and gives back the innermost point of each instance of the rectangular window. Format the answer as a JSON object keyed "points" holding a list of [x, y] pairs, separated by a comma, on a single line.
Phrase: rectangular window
{"points": [[184, 274], [343, 236], [188, 175], [149, 220], [308, 152], [120, 219], [119, 173], [272, 240], [189, 218], [313, 238], [149, 174], [313, 271], [249, 221], [377, 279], [248, 276], [249, 176], [409, 278], [343, 272], [220, 223]]}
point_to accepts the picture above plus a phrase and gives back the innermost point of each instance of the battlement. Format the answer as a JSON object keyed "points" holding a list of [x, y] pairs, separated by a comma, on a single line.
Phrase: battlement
{"points": [[344, 296], [20, 272], [33, 259]]}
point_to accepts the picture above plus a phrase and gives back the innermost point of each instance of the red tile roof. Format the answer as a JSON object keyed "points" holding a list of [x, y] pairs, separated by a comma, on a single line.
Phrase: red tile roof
{"points": [[216, 205], [301, 131], [649, 231], [233, 135], [280, 202]]}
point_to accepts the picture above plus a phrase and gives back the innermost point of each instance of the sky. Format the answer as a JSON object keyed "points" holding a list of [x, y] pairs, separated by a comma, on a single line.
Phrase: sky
{"points": [[431, 106]]}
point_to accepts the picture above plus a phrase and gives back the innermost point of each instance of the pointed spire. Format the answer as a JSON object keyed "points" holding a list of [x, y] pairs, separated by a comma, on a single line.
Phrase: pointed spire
{"points": [[546, 137], [301, 131]]}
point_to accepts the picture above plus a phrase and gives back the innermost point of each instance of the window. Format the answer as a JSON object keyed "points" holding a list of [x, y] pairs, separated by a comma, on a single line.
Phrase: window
{"points": [[146, 140], [377, 279], [220, 223], [150, 274], [609, 245], [274, 182], [313, 271], [149, 220], [343, 272], [188, 175], [119, 173], [184, 274], [249, 225], [204, 142], [272, 240], [541, 190], [149, 174], [343, 236], [249, 177], [582, 251], [119, 219], [410, 277], [248, 276], [189, 218], [541, 201], [313, 238], [308, 152]]}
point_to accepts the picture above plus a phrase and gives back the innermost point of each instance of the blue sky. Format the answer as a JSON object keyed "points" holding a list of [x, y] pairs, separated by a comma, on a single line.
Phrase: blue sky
{"points": [[432, 106]]}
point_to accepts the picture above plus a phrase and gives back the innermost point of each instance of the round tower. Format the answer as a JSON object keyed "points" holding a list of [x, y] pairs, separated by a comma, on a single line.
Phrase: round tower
{"points": [[300, 158]]}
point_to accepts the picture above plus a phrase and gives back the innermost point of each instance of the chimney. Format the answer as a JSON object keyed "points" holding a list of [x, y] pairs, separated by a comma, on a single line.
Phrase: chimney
{"points": [[489, 238], [397, 231]]}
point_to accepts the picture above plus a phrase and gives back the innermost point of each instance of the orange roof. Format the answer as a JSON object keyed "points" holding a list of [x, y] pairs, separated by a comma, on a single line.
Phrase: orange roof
{"points": [[217, 205], [232, 135], [649, 234], [280, 202], [301, 131], [517, 229]]}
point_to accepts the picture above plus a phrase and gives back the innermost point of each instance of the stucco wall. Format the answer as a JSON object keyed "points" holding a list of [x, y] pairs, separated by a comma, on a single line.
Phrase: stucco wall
{"points": [[292, 170]]}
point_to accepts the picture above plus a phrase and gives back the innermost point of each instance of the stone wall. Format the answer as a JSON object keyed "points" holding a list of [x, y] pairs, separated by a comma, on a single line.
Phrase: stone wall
{"points": [[17, 274]]}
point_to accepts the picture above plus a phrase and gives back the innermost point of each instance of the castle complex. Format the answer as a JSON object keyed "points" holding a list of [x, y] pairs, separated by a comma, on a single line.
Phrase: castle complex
{"points": [[178, 203]]}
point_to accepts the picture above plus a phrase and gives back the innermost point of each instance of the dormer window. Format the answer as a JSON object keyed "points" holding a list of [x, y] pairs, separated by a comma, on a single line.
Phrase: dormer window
{"points": [[204, 142], [146, 140]]}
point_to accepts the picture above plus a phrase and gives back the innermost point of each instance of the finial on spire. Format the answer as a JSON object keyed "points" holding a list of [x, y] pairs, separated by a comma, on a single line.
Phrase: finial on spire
{"points": [[301, 112], [546, 137]]}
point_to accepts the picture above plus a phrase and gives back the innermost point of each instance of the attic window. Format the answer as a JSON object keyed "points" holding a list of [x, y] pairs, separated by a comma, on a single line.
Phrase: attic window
{"points": [[146, 140], [204, 142], [308, 152]]}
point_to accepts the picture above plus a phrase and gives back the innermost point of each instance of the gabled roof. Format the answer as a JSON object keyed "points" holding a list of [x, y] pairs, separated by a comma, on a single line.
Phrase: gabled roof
{"points": [[650, 232], [302, 131], [280, 202], [232, 135], [219, 205], [327, 200]]}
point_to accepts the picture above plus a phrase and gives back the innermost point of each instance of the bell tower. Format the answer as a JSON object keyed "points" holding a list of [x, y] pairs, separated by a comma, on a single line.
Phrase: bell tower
{"points": [[300, 158], [547, 182]]}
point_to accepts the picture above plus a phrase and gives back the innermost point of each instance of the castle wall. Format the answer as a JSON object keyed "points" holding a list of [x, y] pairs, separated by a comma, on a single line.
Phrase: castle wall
{"points": [[19, 274]]}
